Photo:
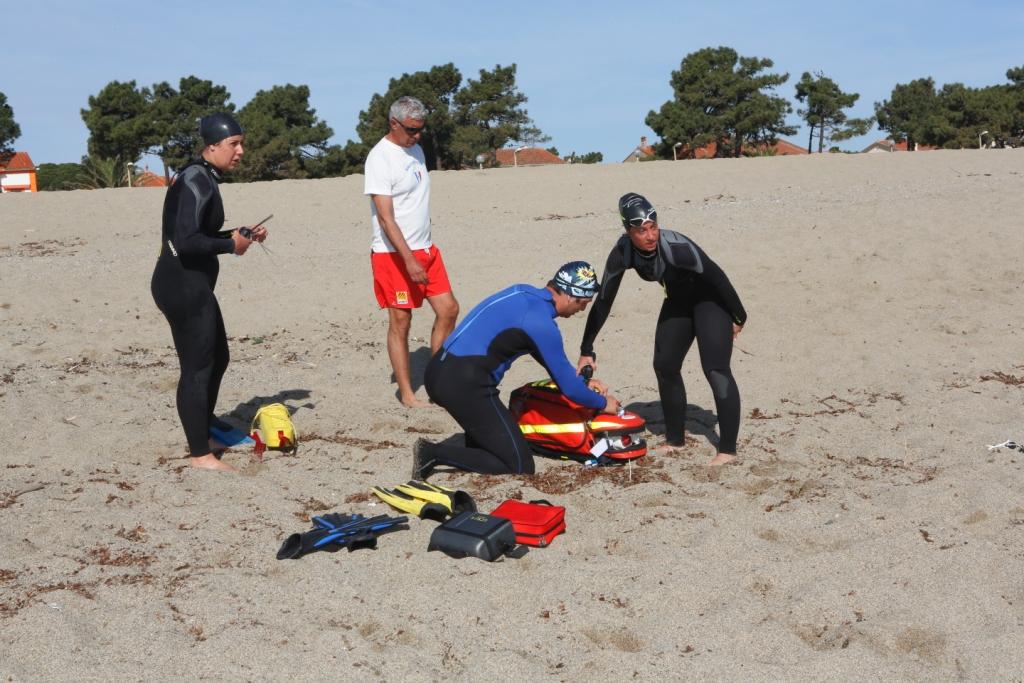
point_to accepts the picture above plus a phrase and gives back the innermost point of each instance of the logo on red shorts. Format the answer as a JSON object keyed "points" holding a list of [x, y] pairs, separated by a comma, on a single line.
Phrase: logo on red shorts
{"points": [[401, 297]]}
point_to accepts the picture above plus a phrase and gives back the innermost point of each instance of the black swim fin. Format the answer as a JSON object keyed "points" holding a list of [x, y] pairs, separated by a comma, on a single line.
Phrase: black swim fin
{"points": [[351, 531]]}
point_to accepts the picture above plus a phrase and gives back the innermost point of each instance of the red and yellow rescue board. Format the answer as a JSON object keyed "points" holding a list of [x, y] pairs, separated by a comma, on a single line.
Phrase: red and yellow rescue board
{"points": [[555, 425]]}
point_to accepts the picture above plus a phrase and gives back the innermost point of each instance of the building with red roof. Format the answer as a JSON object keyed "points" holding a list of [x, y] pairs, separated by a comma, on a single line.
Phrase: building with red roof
{"points": [[780, 148], [529, 156], [149, 179], [17, 173], [887, 145], [641, 152]]}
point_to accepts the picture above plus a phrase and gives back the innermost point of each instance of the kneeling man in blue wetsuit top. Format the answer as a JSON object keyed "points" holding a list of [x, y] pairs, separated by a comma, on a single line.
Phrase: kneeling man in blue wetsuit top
{"points": [[463, 376]]}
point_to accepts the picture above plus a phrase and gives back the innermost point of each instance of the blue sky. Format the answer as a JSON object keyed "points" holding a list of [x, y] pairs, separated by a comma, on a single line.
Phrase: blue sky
{"points": [[591, 70]]}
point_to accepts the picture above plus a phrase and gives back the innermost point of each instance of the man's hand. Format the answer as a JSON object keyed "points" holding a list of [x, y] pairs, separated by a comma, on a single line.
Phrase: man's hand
{"points": [[386, 219], [259, 234], [416, 271], [736, 329], [612, 407], [598, 386], [586, 360]]}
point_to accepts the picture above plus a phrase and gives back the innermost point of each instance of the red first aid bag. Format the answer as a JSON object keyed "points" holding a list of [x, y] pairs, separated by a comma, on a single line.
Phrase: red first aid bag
{"points": [[536, 523]]}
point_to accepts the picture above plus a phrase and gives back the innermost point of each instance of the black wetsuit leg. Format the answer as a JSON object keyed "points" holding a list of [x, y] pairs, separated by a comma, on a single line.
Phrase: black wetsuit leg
{"points": [[679, 322], [714, 342], [221, 358], [673, 337], [495, 444], [186, 299]]}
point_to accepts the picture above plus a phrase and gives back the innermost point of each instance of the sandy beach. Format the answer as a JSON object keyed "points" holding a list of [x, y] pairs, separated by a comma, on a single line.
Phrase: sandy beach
{"points": [[867, 534]]}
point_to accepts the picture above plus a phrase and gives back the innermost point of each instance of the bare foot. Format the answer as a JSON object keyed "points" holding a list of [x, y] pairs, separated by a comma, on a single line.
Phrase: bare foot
{"points": [[667, 449], [413, 402], [209, 462], [721, 459]]}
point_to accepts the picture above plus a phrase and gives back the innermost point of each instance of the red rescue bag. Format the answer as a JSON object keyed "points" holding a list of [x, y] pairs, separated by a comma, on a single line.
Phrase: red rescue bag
{"points": [[554, 425], [536, 523]]}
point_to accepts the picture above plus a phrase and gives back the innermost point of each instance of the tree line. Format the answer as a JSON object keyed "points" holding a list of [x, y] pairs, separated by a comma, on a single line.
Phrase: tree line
{"points": [[718, 97]]}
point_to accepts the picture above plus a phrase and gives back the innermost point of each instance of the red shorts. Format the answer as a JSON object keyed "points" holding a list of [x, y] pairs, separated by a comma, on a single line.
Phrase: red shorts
{"points": [[391, 282]]}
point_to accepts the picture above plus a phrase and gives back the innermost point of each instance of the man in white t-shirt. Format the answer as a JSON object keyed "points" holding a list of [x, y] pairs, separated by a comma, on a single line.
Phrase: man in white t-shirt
{"points": [[407, 267]]}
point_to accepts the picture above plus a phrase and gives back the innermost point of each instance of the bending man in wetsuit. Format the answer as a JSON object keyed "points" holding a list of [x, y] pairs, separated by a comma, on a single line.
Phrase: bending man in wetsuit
{"points": [[185, 275], [700, 303], [463, 376]]}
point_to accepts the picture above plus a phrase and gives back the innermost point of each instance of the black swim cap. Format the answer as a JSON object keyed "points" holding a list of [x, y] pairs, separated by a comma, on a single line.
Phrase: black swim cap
{"points": [[216, 127], [635, 210]]}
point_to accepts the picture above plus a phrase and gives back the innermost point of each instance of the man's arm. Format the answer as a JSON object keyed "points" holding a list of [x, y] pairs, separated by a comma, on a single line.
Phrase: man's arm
{"points": [[551, 354], [389, 226], [717, 278], [602, 305]]}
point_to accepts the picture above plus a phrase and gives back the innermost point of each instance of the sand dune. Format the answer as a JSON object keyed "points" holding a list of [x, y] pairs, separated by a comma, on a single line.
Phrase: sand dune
{"points": [[868, 533]]}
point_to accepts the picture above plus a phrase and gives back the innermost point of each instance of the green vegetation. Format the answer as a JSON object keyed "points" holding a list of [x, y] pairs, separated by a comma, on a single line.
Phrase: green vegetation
{"points": [[488, 114], [723, 98], [955, 116], [588, 158], [462, 122], [119, 121], [824, 113], [58, 176], [283, 136], [9, 129], [94, 173], [718, 96], [101, 172], [174, 116]]}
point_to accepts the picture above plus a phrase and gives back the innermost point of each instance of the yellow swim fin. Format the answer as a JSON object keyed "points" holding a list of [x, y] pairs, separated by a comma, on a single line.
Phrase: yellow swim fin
{"points": [[452, 500], [415, 506]]}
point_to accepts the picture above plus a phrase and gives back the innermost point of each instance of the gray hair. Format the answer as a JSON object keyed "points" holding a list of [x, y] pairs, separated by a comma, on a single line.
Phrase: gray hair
{"points": [[408, 108]]}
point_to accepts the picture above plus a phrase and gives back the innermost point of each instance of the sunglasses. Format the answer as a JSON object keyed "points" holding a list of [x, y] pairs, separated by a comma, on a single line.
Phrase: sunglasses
{"points": [[410, 130]]}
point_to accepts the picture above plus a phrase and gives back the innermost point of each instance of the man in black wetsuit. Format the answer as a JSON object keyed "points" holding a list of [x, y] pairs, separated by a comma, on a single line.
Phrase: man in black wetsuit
{"points": [[186, 273], [700, 303], [464, 374]]}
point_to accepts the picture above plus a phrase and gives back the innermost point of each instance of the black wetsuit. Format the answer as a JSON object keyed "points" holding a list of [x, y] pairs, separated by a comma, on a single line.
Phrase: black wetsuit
{"points": [[182, 286], [700, 303]]}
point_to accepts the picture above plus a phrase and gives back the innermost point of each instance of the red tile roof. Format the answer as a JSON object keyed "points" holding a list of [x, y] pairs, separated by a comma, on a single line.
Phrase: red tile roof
{"points": [[640, 152], [531, 156], [17, 162], [901, 146], [149, 179], [786, 148], [781, 147]]}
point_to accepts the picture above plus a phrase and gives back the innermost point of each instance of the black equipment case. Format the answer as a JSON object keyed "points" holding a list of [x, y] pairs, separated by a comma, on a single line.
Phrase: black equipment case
{"points": [[474, 534]]}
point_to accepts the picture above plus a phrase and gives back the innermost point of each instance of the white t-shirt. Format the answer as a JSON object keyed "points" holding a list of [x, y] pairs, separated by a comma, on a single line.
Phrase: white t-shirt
{"points": [[400, 173]]}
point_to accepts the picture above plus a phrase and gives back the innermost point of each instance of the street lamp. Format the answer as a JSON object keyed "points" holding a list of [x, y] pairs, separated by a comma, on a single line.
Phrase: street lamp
{"points": [[674, 148], [480, 159], [128, 173], [984, 132], [515, 159]]}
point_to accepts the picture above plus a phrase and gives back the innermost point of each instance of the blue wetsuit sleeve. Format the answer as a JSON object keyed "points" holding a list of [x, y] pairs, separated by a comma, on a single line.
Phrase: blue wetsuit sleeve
{"points": [[548, 340], [193, 205]]}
